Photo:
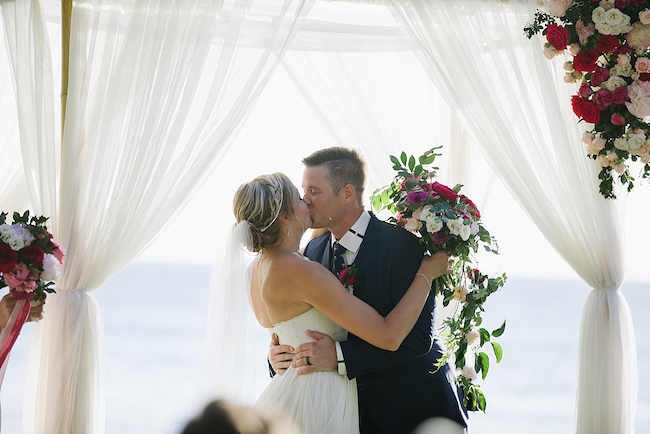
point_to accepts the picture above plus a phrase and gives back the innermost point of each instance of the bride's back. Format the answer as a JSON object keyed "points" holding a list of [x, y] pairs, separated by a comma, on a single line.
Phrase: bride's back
{"points": [[274, 298]]}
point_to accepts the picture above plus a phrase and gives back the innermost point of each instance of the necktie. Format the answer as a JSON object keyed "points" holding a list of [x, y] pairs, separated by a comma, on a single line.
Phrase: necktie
{"points": [[337, 260]]}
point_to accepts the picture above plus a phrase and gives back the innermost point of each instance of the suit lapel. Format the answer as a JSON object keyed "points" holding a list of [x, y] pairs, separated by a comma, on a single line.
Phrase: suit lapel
{"points": [[368, 245]]}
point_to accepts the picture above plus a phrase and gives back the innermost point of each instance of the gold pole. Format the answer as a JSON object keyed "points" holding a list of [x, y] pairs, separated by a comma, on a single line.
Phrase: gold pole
{"points": [[66, 15]]}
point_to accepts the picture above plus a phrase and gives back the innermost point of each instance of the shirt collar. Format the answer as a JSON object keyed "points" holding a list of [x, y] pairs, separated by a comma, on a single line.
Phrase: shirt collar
{"points": [[352, 239]]}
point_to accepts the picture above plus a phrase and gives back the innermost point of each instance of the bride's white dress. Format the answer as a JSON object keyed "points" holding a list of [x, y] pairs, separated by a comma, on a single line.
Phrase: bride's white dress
{"points": [[322, 402]]}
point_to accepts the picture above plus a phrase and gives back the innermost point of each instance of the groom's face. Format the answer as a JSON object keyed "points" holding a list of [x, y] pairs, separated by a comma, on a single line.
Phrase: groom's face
{"points": [[324, 206]]}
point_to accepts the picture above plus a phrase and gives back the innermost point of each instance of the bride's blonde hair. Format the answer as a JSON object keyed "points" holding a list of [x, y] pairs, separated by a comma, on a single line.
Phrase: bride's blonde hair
{"points": [[260, 203]]}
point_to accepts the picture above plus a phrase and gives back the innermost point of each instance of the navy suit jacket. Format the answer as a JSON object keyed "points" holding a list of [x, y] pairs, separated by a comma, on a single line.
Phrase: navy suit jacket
{"points": [[400, 389]]}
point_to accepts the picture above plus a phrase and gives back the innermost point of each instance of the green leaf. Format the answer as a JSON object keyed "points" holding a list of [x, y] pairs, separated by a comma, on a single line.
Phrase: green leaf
{"points": [[482, 404], [498, 332], [403, 157], [485, 335], [395, 160], [498, 351], [376, 203], [485, 363], [411, 163]]}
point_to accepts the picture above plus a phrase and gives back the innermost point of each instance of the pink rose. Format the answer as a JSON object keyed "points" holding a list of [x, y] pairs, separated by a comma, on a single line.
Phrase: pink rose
{"points": [[559, 7], [585, 90], [598, 144], [642, 64], [618, 119], [584, 31], [644, 16], [21, 279]]}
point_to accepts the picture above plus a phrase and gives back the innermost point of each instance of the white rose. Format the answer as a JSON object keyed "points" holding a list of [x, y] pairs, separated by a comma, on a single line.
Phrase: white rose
{"points": [[620, 143], [15, 241], [620, 70], [23, 232], [598, 15], [604, 28], [469, 372], [635, 141], [465, 232], [613, 83], [455, 225], [426, 213], [412, 224], [472, 336], [473, 228], [607, 4], [615, 17], [51, 268], [433, 225]]}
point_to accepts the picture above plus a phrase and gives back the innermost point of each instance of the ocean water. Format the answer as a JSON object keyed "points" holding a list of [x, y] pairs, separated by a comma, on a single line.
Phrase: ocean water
{"points": [[155, 315]]}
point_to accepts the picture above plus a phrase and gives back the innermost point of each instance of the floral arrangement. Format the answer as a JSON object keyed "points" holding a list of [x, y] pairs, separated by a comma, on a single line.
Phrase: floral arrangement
{"points": [[348, 276], [446, 220], [609, 41], [29, 259]]}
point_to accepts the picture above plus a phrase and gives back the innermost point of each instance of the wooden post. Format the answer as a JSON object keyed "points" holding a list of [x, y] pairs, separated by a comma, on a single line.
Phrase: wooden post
{"points": [[66, 15]]}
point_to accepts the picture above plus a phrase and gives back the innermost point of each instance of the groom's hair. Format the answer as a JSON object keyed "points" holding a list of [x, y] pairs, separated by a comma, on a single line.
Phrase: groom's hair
{"points": [[345, 166]]}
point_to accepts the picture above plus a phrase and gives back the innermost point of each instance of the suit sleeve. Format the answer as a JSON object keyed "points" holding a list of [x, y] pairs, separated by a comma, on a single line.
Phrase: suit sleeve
{"points": [[361, 357]]}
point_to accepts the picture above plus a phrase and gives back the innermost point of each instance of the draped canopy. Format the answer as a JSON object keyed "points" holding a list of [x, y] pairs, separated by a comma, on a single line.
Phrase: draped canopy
{"points": [[158, 91]]}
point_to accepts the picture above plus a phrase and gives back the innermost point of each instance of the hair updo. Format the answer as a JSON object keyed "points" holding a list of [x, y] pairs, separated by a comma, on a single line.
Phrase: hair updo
{"points": [[260, 203]]}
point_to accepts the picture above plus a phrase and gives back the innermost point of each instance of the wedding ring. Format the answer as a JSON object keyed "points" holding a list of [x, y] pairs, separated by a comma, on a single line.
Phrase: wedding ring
{"points": [[308, 363]]}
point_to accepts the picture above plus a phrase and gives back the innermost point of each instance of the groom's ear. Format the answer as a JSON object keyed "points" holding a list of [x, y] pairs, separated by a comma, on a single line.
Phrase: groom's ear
{"points": [[349, 193]]}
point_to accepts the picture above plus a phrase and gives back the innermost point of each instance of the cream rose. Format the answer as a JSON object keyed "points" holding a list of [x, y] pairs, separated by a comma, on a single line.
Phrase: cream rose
{"points": [[598, 15], [635, 141], [620, 143], [598, 143], [644, 16], [433, 225], [639, 37], [559, 7], [412, 224], [613, 83]]}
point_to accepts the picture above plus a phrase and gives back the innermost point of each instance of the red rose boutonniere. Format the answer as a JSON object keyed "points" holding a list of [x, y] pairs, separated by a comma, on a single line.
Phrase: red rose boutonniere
{"points": [[349, 276]]}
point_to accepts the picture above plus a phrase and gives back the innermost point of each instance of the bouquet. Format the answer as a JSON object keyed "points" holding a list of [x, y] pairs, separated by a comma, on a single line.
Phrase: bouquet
{"points": [[609, 41], [29, 262], [446, 220]]}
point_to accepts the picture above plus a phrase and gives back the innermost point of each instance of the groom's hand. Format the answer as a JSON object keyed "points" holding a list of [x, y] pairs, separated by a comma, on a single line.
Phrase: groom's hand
{"points": [[280, 356], [322, 354]]}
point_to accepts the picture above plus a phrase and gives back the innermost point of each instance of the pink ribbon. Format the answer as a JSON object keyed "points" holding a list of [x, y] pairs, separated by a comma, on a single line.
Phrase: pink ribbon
{"points": [[22, 304]]}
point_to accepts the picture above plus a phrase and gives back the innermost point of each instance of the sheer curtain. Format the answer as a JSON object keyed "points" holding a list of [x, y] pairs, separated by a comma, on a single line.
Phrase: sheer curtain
{"points": [[157, 92], [517, 108]]}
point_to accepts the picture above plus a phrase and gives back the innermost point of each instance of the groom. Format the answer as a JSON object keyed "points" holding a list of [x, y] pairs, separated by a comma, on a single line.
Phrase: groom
{"points": [[397, 390]]}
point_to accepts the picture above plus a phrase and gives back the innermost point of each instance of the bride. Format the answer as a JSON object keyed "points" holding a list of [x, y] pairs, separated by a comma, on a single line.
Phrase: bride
{"points": [[290, 295]]}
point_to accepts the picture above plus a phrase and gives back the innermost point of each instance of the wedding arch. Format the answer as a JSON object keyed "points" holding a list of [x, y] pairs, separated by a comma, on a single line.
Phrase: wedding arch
{"points": [[155, 91]]}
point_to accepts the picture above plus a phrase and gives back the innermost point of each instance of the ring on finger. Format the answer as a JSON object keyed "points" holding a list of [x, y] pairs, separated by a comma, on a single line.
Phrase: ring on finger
{"points": [[308, 362]]}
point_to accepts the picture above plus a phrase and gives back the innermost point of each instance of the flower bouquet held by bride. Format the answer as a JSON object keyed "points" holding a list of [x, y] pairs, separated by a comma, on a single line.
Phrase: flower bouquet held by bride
{"points": [[445, 220], [29, 262]]}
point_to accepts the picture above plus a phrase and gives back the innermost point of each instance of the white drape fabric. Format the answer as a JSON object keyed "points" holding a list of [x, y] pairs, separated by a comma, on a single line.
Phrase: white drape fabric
{"points": [[516, 106], [157, 91]]}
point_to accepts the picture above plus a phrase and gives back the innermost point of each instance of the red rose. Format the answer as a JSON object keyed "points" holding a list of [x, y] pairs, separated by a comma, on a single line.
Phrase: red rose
{"points": [[589, 112], [346, 277], [557, 36], [622, 49], [607, 43], [8, 258], [620, 4], [467, 200], [644, 76], [600, 74], [585, 61], [32, 255], [575, 103], [602, 99], [444, 192], [619, 96], [475, 276], [441, 236]]}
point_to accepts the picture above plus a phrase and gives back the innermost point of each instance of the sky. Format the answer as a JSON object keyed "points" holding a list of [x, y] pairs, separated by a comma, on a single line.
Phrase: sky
{"points": [[287, 129]]}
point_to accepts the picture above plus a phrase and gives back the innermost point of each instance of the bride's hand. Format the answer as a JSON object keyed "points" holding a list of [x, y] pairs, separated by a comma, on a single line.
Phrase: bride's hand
{"points": [[436, 265], [280, 356]]}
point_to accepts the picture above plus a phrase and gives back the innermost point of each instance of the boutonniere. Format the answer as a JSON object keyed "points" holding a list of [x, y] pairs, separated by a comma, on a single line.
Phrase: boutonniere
{"points": [[349, 276]]}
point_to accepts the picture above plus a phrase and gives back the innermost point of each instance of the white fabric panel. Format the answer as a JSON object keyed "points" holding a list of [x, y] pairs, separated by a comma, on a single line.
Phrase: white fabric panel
{"points": [[518, 109], [157, 92]]}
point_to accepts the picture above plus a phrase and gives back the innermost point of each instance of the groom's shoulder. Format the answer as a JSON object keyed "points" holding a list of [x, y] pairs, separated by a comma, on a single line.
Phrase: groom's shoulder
{"points": [[390, 232], [317, 243]]}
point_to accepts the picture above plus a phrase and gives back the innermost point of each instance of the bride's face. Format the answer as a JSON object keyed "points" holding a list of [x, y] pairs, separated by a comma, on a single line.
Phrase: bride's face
{"points": [[302, 212]]}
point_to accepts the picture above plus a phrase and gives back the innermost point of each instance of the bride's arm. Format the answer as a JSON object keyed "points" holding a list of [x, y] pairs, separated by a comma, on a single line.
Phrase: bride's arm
{"points": [[318, 287]]}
